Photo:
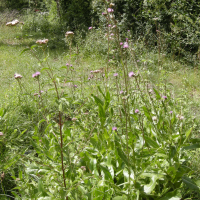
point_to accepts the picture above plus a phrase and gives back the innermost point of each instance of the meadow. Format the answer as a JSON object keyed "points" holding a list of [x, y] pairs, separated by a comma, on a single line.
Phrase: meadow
{"points": [[96, 116]]}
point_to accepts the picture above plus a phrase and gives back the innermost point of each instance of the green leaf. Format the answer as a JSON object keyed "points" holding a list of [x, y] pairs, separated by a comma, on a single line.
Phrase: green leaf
{"points": [[157, 94], [175, 195], [27, 49], [41, 188], [33, 46], [190, 183], [188, 134], [194, 146], [154, 177], [122, 156], [101, 92], [106, 173], [97, 100], [120, 198], [151, 142], [146, 112]]}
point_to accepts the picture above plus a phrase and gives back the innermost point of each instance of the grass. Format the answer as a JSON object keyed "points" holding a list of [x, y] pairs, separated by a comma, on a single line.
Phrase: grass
{"points": [[88, 122]]}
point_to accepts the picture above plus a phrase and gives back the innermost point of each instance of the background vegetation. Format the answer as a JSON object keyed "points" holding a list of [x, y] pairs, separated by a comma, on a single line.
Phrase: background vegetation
{"points": [[101, 120]]}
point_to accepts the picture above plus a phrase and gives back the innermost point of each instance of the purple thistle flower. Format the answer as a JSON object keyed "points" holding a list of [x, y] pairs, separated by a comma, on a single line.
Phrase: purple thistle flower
{"points": [[37, 74], [121, 43], [109, 25], [1, 134], [110, 10], [121, 92], [131, 74], [171, 112], [164, 97], [115, 74], [67, 64], [114, 128], [126, 39], [125, 45], [136, 111], [128, 30], [75, 86], [112, 34], [90, 28]]}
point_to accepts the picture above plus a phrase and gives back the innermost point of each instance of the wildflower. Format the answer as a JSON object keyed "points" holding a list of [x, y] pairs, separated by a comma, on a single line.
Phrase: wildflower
{"points": [[112, 4], [67, 64], [75, 86], [126, 39], [90, 28], [103, 13], [96, 71], [128, 30], [74, 119], [83, 168], [180, 117], [41, 91], [150, 91], [138, 60], [35, 94], [125, 45], [109, 25], [42, 41], [164, 97], [37, 74], [115, 74], [114, 26], [156, 18], [1, 134], [121, 92], [121, 43], [136, 111], [69, 33], [17, 76], [171, 112], [112, 34], [131, 74], [110, 10], [154, 118], [114, 128]]}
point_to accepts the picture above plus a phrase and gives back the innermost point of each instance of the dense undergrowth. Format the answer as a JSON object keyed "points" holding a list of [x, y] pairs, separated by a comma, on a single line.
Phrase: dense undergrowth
{"points": [[101, 117]]}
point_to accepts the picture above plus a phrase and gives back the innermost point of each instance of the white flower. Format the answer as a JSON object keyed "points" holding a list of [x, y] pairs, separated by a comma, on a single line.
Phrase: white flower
{"points": [[17, 76], [154, 118]]}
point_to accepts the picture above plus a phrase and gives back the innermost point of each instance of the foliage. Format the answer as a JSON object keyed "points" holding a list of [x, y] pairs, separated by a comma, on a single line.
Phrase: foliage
{"points": [[102, 130]]}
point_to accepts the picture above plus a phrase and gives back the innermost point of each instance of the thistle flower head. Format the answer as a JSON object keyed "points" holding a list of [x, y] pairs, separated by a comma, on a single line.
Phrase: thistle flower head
{"points": [[17, 76], [125, 45], [69, 34], [42, 41], [110, 10], [36, 75], [136, 111], [114, 128], [131, 74]]}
